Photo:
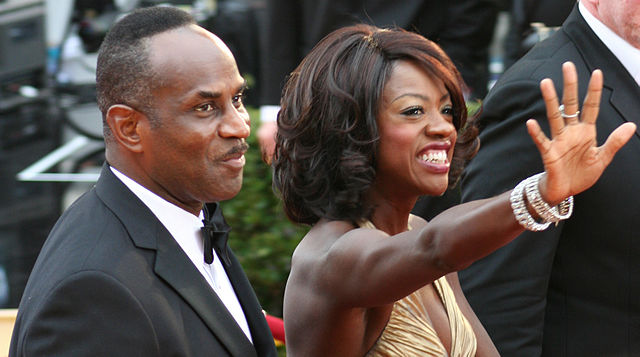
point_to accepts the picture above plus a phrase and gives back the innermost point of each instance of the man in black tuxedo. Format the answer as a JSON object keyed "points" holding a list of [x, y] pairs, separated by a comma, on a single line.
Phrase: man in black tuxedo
{"points": [[572, 290], [123, 272], [463, 28]]}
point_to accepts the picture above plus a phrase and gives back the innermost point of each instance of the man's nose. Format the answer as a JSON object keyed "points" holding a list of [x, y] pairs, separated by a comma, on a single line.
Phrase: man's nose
{"points": [[236, 124]]}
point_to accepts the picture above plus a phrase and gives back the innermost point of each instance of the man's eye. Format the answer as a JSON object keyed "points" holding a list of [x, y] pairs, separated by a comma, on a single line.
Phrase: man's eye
{"points": [[238, 98], [205, 108]]}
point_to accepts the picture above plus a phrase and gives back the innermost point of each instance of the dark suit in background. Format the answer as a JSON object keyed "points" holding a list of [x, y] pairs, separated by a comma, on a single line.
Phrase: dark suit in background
{"points": [[463, 28], [110, 271], [572, 290]]}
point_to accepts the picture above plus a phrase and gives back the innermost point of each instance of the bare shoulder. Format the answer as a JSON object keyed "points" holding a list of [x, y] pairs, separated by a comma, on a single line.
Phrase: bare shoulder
{"points": [[314, 308], [330, 239], [318, 242], [327, 247]]}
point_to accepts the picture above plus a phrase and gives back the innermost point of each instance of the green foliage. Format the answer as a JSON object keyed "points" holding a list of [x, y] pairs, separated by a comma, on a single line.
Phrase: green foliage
{"points": [[261, 236], [473, 107]]}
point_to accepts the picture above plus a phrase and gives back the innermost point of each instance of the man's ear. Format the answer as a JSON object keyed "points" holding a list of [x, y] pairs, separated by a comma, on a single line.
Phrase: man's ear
{"points": [[125, 124]]}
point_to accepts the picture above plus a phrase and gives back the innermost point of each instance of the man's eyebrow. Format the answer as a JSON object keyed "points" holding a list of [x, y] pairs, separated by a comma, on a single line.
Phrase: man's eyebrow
{"points": [[213, 95], [243, 87], [208, 94]]}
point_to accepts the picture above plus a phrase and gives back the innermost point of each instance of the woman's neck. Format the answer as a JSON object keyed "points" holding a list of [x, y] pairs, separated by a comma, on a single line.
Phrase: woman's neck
{"points": [[391, 218], [392, 207]]}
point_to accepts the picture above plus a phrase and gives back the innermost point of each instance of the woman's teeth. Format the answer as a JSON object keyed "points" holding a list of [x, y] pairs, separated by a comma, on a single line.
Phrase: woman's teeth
{"points": [[436, 157]]}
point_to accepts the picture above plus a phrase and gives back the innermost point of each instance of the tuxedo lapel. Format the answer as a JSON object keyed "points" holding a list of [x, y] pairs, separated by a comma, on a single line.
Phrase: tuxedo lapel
{"points": [[625, 98], [624, 90], [172, 265], [176, 269], [260, 332]]}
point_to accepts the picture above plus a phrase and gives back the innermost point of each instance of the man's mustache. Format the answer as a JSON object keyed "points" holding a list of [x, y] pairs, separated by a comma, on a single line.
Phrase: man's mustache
{"points": [[241, 148]]}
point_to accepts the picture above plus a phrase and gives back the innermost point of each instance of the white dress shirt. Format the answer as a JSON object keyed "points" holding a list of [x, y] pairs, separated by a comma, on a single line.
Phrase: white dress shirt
{"points": [[185, 229], [628, 55]]}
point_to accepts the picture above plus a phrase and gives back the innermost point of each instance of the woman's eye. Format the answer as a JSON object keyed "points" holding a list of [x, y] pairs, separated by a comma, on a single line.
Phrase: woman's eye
{"points": [[413, 111], [448, 110]]}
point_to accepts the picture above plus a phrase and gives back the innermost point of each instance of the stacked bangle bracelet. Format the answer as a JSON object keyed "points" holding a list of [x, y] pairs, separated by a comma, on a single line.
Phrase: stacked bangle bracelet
{"points": [[548, 214]]}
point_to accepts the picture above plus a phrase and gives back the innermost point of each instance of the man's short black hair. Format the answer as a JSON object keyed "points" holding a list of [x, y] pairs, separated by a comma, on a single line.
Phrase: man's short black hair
{"points": [[123, 73]]}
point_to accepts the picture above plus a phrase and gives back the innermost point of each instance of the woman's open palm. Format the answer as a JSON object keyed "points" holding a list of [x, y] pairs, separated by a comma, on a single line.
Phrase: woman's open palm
{"points": [[572, 160]]}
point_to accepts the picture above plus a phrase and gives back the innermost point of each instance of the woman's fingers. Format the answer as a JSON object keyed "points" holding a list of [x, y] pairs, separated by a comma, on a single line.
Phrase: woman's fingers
{"points": [[560, 116], [591, 105], [615, 141], [571, 151], [538, 137], [570, 93], [556, 122]]}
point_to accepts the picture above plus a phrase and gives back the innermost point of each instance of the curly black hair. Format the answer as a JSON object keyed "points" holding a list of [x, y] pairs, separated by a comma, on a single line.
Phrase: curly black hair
{"points": [[325, 158]]}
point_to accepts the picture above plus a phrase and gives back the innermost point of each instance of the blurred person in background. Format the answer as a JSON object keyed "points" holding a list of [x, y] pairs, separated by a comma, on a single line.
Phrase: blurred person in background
{"points": [[530, 22], [573, 289]]}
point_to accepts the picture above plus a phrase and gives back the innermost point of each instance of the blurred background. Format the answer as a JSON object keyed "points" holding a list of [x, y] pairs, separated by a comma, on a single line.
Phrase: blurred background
{"points": [[51, 146]]}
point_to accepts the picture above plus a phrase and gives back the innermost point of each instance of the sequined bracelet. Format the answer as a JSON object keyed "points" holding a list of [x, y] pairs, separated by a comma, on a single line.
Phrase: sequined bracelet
{"points": [[550, 214], [520, 210]]}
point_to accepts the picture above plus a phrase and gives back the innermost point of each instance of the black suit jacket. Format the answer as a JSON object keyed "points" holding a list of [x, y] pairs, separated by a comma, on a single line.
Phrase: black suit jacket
{"points": [[111, 281], [574, 289], [463, 28]]}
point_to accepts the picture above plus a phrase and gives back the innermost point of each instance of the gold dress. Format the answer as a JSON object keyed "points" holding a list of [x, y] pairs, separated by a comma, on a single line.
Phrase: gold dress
{"points": [[409, 332]]}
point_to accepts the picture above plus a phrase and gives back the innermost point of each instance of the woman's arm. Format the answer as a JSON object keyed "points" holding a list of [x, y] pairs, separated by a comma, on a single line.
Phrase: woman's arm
{"points": [[365, 267]]}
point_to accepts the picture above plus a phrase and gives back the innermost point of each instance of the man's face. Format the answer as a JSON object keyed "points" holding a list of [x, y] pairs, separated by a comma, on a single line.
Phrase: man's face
{"points": [[194, 153], [623, 17]]}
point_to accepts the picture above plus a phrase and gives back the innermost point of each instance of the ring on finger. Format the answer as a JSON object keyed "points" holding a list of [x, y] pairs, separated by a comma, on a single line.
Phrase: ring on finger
{"points": [[567, 116]]}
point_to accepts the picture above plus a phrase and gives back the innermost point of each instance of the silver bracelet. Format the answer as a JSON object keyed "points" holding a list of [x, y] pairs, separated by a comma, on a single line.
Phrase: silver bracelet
{"points": [[520, 210], [550, 214]]}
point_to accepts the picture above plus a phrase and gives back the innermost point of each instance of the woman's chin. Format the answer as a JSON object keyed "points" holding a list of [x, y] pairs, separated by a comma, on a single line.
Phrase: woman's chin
{"points": [[436, 190]]}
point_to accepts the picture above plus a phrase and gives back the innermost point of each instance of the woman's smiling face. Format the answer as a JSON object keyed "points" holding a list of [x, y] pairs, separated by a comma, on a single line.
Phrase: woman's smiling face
{"points": [[417, 135]]}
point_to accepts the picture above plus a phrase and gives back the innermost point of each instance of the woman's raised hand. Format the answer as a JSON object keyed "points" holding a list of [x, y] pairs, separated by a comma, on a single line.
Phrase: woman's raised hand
{"points": [[572, 160]]}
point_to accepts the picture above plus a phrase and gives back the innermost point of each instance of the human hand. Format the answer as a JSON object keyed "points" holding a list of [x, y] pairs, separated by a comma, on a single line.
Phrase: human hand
{"points": [[572, 161], [267, 139]]}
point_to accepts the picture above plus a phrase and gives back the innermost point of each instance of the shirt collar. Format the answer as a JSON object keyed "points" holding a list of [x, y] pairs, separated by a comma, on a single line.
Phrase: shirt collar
{"points": [[182, 225], [628, 55]]}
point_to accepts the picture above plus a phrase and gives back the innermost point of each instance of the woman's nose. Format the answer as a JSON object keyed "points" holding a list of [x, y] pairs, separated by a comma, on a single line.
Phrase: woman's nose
{"points": [[442, 126]]}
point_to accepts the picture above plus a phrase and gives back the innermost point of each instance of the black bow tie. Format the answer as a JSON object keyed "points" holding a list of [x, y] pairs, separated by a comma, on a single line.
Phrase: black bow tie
{"points": [[215, 234]]}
